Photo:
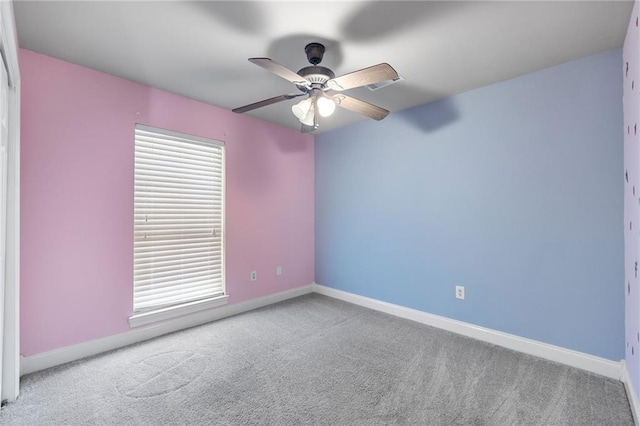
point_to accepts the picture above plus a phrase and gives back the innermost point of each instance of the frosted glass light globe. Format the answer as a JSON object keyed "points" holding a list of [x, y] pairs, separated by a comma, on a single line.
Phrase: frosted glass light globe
{"points": [[308, 119], [326, 106], [301, 109]]}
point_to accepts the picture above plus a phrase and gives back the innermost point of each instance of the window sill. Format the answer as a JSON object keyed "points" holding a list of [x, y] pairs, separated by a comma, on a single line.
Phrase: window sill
{"points": [[145, 318]]}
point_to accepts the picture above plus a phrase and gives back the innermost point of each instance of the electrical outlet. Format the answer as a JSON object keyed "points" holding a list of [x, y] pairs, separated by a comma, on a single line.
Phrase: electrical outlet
{"points": [[459, 292], [278, 270], [254, 275]]}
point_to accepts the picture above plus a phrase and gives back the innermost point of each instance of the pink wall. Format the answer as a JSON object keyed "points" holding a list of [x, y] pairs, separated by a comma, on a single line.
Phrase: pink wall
{"points": [[77, 198]]}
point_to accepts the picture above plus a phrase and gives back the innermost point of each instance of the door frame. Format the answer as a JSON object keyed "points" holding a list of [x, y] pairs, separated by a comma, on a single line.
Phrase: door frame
{"points": [[10, 380]]}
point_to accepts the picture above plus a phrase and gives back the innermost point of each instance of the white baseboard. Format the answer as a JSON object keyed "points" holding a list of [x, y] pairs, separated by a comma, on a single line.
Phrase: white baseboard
{"points": [[67, 354], [597, 365], [631, 393], [604, 367]]}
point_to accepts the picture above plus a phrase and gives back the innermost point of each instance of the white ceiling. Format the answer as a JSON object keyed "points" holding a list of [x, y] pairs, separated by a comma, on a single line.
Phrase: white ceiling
{"points": [[200, 49]]}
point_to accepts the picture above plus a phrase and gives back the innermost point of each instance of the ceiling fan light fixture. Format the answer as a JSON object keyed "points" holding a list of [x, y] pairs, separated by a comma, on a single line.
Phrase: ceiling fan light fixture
{"points": [[326, 106], [316, 81], [308, 119], [301, 109]]}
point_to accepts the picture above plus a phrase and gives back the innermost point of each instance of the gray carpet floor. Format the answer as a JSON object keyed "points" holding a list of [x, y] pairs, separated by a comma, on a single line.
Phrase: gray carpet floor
{"points": [[314, 360]]}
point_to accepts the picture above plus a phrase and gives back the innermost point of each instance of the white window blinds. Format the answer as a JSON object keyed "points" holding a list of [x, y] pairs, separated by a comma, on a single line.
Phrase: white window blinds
{"points": [[178, 219]]}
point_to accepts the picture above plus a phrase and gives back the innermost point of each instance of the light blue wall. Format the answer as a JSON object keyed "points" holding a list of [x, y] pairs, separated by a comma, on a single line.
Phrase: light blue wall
{"points": [[514, 191]]}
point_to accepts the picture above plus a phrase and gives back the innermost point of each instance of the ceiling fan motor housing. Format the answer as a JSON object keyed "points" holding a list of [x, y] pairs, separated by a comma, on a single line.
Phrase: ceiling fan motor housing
{"points": [[314, 52], [316, 74]]}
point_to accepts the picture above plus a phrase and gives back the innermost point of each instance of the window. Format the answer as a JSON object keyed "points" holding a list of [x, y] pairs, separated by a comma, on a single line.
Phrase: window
{"points": [[178, 225]]}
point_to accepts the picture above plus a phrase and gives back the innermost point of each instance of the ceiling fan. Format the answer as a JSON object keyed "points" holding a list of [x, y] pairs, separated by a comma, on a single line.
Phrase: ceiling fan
{"points": [[323, 90]]}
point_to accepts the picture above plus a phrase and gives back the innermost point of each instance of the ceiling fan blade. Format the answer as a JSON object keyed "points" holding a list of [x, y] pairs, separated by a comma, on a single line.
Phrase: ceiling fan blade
{"points": [[265, 102], [375, 74], [361, 107], [280, 71]]}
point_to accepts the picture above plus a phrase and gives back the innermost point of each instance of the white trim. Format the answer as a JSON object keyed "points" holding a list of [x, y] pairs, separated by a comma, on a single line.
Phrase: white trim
{"points": [[11, 332], [569, 357], [631, 393], [604, 367], [169, 312], [67, 354], [9, 41], [11, 337]]}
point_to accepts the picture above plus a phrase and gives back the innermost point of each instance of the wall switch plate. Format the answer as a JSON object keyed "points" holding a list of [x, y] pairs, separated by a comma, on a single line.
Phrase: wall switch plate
{"points": [[254, 275], [278, 270], [459, 292]]}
